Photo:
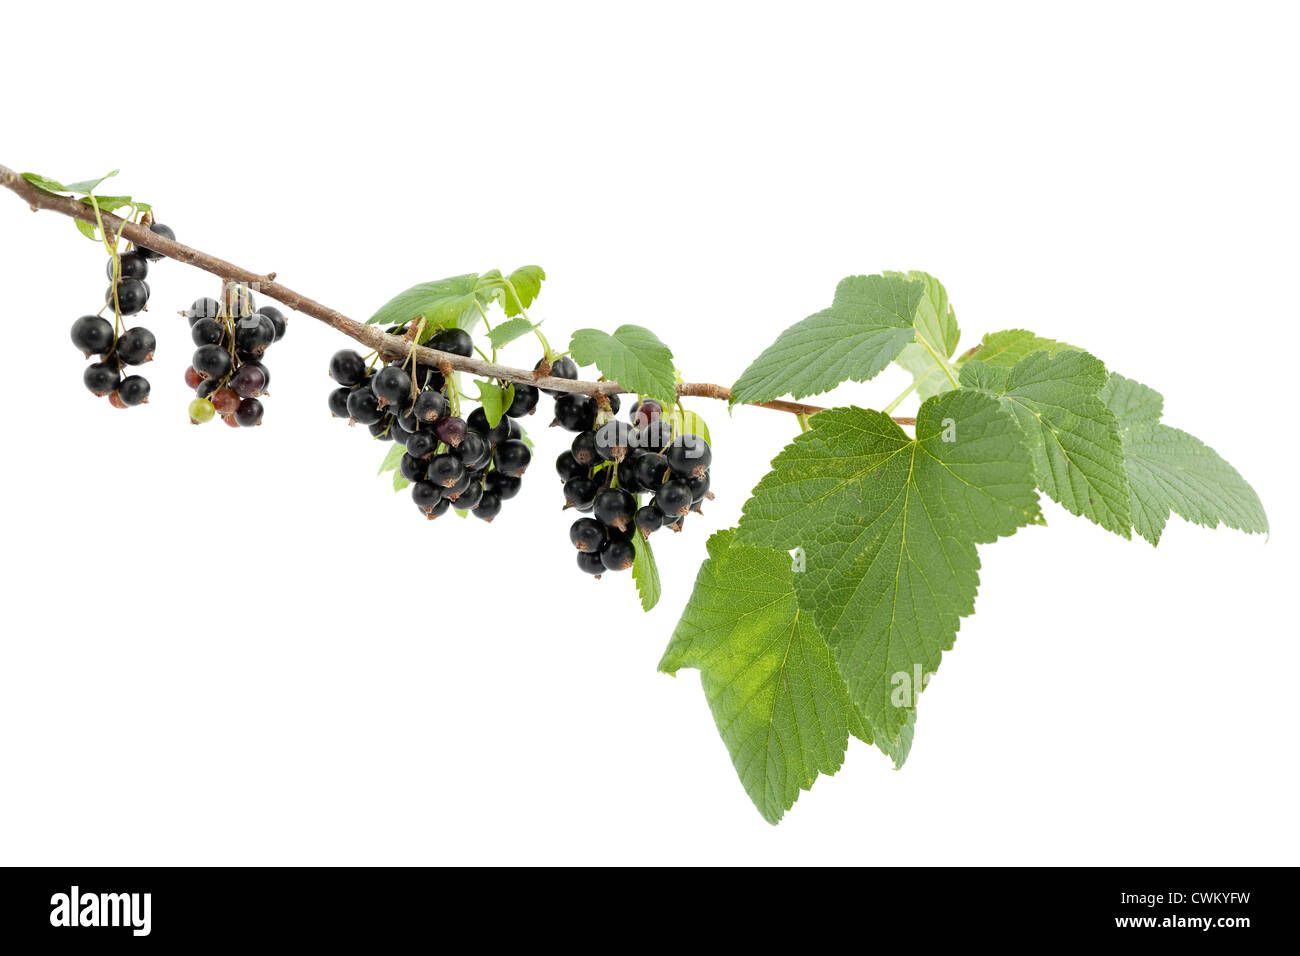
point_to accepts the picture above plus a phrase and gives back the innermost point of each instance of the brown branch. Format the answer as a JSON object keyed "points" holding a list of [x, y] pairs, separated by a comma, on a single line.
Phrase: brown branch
{"points": [[388, 346]]}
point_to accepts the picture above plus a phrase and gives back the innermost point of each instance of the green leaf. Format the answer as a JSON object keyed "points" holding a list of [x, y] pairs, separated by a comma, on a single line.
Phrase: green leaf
{"points": [[89, 185], [1005, 349], [645, 572], [1170, 470], [780, 704], [399, 483], [444, 303], [1071, 433], [45, 183], [633, 356], [525, 283], [393, 458], [936, 338], [688, 423], [865, 328], [87, 229], [888, 525], [494, 399], [509, 330]]}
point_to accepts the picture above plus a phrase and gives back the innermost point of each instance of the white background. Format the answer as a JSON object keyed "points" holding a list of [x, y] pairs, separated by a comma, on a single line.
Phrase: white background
{"points": [[241, 647]]}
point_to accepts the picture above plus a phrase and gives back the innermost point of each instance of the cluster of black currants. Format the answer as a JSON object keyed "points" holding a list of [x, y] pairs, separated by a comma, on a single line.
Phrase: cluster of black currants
{"points": [[128, 293], [611, 463], [451, 462], [227, 372]]}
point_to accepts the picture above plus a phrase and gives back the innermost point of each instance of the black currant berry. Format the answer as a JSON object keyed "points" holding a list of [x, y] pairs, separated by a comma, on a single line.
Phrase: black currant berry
{"points": [[689, 456], [647, 412], [363, 406], [561, 368], [132, 296], [254, 334], [504, 487], [580, 493], [431, 405], [618, 554], [653, 437], [203, 309], [488, 507], [249, 381], [101, 378], [423, 443], [452, 431], [339, 402], [347, 367], [438, 509], [566, 466], [648, 519], [455, 341], [461, 485], [627, 474], [132, 390], [699, 487], [445, 470], [587, 534], [208, 388], [575, 413], [614, 403], [412, 468], [249, 413], [612, 440], [583, 449], [382, 429], [673, 498], [135, 346], [477, 421], [525, 400], [474, 450], [425, 495], [512, 457], [158, 229], [92, 334], [590, 562], [208, 332], [132, 265], [211, 361], [391, 384], [471, 496], [278, 321], [614, 507]]}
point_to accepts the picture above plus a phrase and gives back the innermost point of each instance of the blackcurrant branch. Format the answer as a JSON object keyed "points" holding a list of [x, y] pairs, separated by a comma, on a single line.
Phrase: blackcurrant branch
{"points": [[388, 346]]}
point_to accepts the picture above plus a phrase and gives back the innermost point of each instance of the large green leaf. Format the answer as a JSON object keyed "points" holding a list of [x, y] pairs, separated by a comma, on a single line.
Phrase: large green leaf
{"points": [[1005, 349], [780, 704], [936, 338], [524, 285], [444, 303], [865, 328], [1072, 434], [889, 525], [1170, 470], [633, 356]]}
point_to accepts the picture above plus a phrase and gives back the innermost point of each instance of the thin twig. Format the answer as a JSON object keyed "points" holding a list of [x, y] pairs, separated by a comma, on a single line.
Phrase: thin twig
{"points": [[388, 346]]}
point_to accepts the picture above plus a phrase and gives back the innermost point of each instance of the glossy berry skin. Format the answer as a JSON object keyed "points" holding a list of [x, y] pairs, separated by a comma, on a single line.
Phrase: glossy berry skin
{"points": [[249, 413], [614, 507], [455, 341], [208, 332], [451, 431], [159, 229], [648, 519], [425, 495], [575, 413], [580, 493], [254, 334], [590, 562], [207, 388], [412, 468], [347, 367], [587, 534], [278, 321], [192, 378], [226, 401], [612, 439], [561, 368], [699, 487], [363, 406], [133, 390], [201, 411], [650, 470], [211, 361], [673, 498], [132, 265], [461, 486], [339, 402], [422, 444], [618, 554], [627, 476], [132, 296], [525, 400], [689, 456], [203, 309], [504, 487], [391, 384], [474, 450], [439, 509], [431, 405], [92, 334], [381, 430], [512, 457], [488, 507], [583, 449], [647, 412], [478, 422], [135, 346], [101, 378], [445, 470], [566, 466], [653, 437], [471, 496], [249, 381]]}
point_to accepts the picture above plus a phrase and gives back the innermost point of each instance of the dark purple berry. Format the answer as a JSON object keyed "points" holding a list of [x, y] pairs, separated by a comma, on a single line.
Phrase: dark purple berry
{"points": [[504, 487], [101, 378], [423, 443], [249, 413], [133, 390], [158, 229], [452, 431], [590, 562], [512, 457], [431, 405], [392, 385], [347, 367], [455, 341], [474, 451], [566, 466], [203, 309], [612, 440], [363, 406], [471, 496], [673, 498], [525, 400], [587, 534], [249, 381], [132, 296], [647, 412], [584, 449], [208, 332], [278, 321], [254, 334], [615, 507], [618, 554], [580, 493], [92, 335], [412, 468], [488, 507], [689, 455], [648, 519], [425, 495], [211, 361], [135, 346], [132, 266], [575, 413], [445, 470]]}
